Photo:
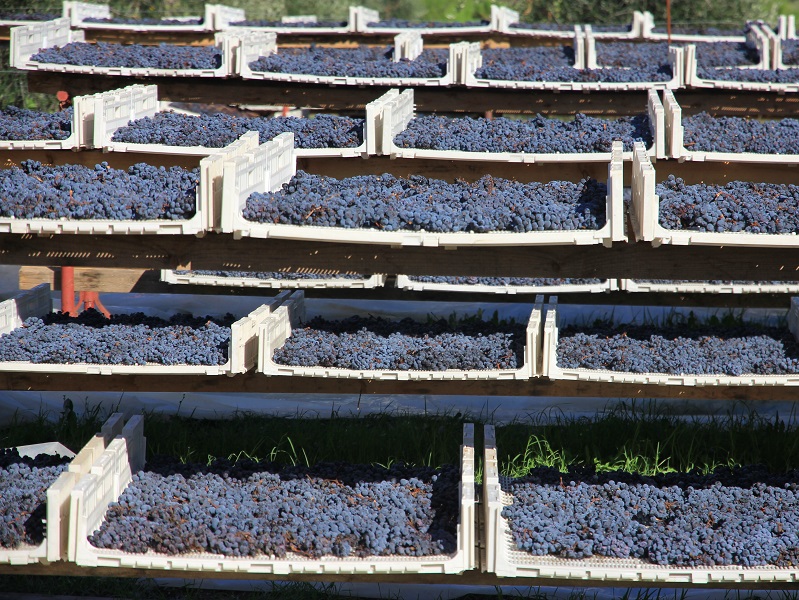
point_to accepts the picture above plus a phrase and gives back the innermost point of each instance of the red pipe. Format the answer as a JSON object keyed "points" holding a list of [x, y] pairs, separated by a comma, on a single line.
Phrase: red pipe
{"points": [[68, 290]]}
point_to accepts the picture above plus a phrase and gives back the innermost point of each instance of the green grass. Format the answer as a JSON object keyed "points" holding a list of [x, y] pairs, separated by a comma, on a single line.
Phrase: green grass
{"points": [[642, 440]]}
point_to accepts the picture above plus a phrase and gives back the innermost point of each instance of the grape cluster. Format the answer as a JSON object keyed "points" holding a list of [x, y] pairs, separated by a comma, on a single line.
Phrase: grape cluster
{"points": [[406, 345], [125, 339], [539, 134], [253, 508], [750, 75], [103, 54], [364, 61], [288, 276], [735, 206], [303, 24], [635, 55], [143, 192], [405, 24], [23, 124], [388, 203], [705, 133], [745, 517], [726, 54], [556, 64], [709, 350], [498, 281], [143, 21], [23, 495], [27, 16], [218, 130], [790, 52]]}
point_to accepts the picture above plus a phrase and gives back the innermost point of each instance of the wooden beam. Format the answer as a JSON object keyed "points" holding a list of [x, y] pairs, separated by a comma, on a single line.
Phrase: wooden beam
{"points": [[445, 100], [222, 252], [258, 383]]}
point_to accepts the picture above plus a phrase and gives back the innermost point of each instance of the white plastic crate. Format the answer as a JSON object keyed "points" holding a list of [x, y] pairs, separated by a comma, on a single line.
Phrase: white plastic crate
{"points": [[190, 278], [675, 133], [706, 287], [274, 163], [645, 216], [365, 27], [206, 217], [771, 50], [775, 48], [648, 33], [80, 137], [581, 57], [405, 282], [551, 369], [27, 41], [277, 329], [398, 110], [242, 348], [125, 455], [676, 60], [256, 44], [512, 28], [80, 11], [54, 545], [224, 15], [291, 25], [115, 109], [505, 559], [635, 31]]}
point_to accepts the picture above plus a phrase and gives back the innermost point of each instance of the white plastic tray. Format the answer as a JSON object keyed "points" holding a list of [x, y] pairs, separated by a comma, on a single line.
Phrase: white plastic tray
{"points": [[553, 371], [400, 109], [125, 455], [511, 29], [242, 348], [648, 33], [357, 16], [498, 13], [506, 560], [274, 163], [206, 218], [645, 212], [277, 329], [54, 545], [692, 79], [80, 137], [581, 53], [27, 41], [115, 109], [406, 283], [635, 32], [705, 287], [80, 11], [175, 278], [675, 133], [254, 45]]}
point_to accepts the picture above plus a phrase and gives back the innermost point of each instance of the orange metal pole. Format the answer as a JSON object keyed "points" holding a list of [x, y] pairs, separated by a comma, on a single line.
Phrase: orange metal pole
{"points": [[68, 290]]}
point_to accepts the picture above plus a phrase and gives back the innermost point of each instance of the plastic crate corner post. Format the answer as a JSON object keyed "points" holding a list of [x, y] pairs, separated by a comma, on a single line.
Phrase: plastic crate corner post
{"points": [[492, 504], [549, 353], [657, 123], [585, 50], [614, 207], [674, 128], [397, 114], [644, 203], [374, 123], [408, 45]]}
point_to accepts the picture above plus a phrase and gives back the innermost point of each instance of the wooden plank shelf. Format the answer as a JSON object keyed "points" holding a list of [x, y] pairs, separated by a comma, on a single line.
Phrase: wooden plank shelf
{"points": [[445, 99]]}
